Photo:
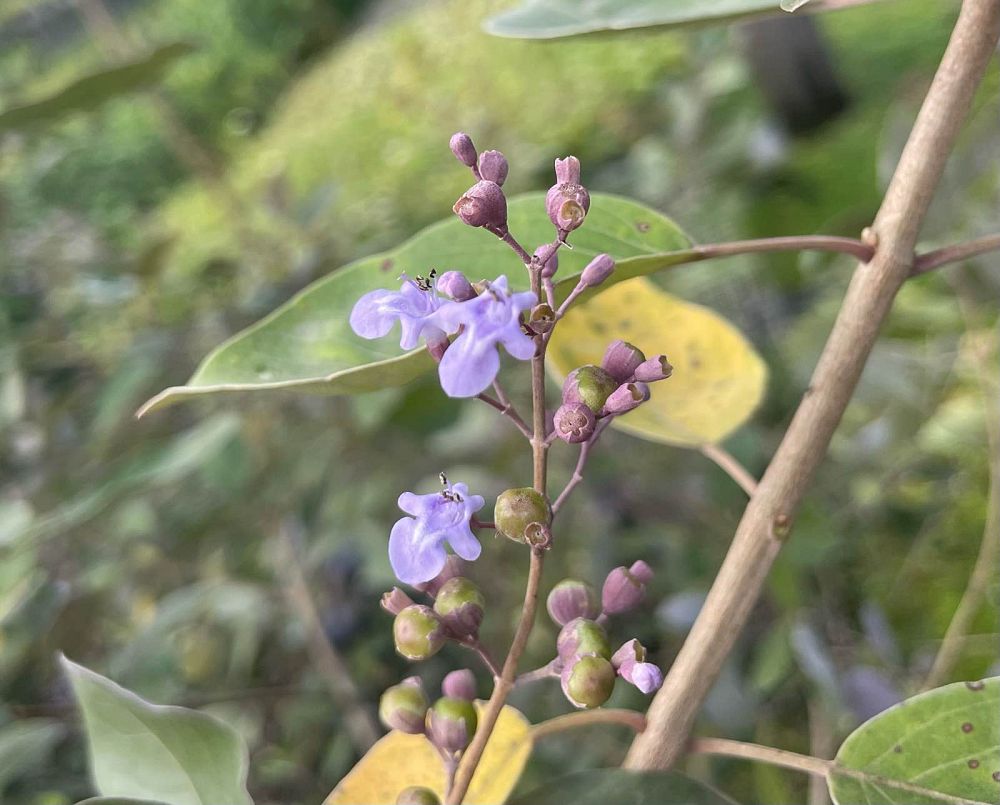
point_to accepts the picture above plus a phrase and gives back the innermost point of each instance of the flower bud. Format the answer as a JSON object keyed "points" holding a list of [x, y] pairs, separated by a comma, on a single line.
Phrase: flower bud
{"points": [[574, 422], [624, 588], [588, 682], [541, 318], [395, 601], [453, 566], [621, 359], [460, 604], [418, 632], [417, 795], [568, 170], [483, 204], [516, 509], [597, 270], [462, 147], [403, 707], [630, 663], [460, 685], [590, 385], [656, 368], [451, 723], [582, 637], [567, 205], [571, 599], [493, 166], [626, 397], [550, 266], [455, 285]]}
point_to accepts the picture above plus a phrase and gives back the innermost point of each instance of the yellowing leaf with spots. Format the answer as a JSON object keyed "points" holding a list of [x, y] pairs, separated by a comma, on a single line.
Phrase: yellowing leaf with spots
{"points": [[718, 378], [399, 760]]}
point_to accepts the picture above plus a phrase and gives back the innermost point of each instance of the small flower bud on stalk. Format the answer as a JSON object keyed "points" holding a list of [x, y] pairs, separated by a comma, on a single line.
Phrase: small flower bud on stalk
{"points": [[417, 795], [456, 285], [597, 270], [588, 682], [403, 707], [418, 632], [516, 509], [624, 588], [571, 599], [395, 601], [483, 204], [656, 368], [541, 318], [462, 147], [451, 723], [550, 266], [630, 663], [581, 637], [621, 359], [625, 398], [460, 685], [574, 422], [453, 567], [567, 201], [590, 385], [493, 166], [460, 605]]}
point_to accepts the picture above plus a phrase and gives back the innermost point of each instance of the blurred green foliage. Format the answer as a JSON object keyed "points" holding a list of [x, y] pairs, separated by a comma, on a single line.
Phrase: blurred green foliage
{"points": [[146, 550]]}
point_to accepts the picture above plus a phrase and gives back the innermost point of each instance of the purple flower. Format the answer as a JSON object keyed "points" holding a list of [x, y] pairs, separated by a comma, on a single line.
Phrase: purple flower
{"points": [[494, 317], [416, 544], [413, 305], [630, 663]]}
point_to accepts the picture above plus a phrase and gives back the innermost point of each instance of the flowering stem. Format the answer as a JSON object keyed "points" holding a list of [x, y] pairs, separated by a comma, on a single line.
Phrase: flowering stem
{"points": [[577, 476], [585, 718], [474, 644], [546, 671], [952, 254], [511, 241], [728, 463], [508, 411]]}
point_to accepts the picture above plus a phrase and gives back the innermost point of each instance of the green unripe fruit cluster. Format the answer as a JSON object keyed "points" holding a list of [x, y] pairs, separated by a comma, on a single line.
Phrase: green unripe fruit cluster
{"points": [[460, 604], [582, 637], [589, 682], [590, 385], [418, 632], [451, 723], [403, 707], [516, 509]]}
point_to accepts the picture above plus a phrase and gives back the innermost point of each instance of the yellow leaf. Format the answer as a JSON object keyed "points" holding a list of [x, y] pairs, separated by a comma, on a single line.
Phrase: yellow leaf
{"points": [[718, 378], [399, 760]]}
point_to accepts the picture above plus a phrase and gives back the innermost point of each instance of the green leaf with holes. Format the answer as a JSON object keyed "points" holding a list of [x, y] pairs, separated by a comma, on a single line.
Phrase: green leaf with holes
{"points": [[308, 345], [942, 746]]}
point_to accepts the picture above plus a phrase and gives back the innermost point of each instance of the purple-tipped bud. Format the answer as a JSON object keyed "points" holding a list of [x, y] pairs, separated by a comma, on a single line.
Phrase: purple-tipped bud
{"points": [[567, 206], [455, 285], [597, 270], [541, 318], [588, 682], [624, 589], [403, 707], [395, 601], [451, 723], [571, 599], [574, 422], [568, 171], [631, 651], [463, 149], [418, 632], [493, 166], [626, 397], [550, 266], [483, 204], [460, 685], [590, 385], [582, 636], [516, 509], [453, 567], [656, 368], [417, 795], [460, 605], [621, 359]]}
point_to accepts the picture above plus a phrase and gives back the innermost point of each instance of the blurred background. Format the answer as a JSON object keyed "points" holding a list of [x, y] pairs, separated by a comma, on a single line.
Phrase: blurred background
{"points": [[171, 170]]}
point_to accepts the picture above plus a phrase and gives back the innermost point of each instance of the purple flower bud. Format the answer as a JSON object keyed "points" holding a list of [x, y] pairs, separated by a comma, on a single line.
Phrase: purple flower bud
{"points": [[517, 509], [623, 590], [621, 359], [451, 723], [582, 636], [631, 651], [656, 368], [567, 201], [574, 422], [483, 204], [418, 632], [597, 270], [460, 605], [493, 166], [641, 571], [455, 285], [463, 149], [588, 682], [453, 566], [460, 685], [590, 385], [630, 663], [568, 170], [417, 795], [403, 707], [395, 601], [550, 266], [571, 599], [626, 397]]}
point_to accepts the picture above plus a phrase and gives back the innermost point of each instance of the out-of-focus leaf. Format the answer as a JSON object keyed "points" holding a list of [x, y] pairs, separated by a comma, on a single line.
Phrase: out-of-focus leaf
{"points": [[399, 760], [145, 751], [602, 786], [308, 345], [942, 746], [93, 90], [718, 377], [868, 692], [119, 801], [25, 746]]}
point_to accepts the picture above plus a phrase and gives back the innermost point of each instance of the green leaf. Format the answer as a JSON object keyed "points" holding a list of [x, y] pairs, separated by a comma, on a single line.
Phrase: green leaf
{"points": [[307, 344], [621, 787], [942, 746], [119, 801], [549, 19], [145, 751], [25, 746], [95, 89]]}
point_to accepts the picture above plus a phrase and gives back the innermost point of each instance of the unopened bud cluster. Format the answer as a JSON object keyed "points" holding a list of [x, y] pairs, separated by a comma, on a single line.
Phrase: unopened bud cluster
{"points": [[449, 723]]}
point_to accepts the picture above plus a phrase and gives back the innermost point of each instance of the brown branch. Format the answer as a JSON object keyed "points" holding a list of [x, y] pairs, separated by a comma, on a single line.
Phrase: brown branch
{"points": [[954, 253], [767, 520], [585, 718], [790, 243]]}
